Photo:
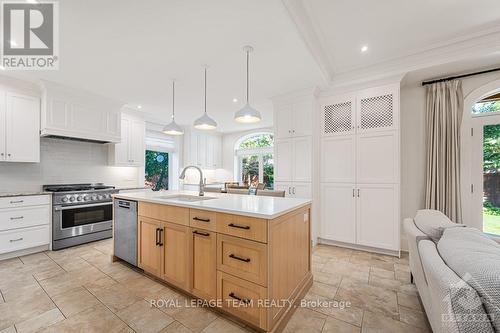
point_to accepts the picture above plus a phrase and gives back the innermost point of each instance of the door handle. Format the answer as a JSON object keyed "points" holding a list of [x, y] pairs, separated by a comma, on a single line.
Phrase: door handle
{"points": [[161, 237], [353, 192], [157, 236], [289, 191], [358, 192], [293, 190]]}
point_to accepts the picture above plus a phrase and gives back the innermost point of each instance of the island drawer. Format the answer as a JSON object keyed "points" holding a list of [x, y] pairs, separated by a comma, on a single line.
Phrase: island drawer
{"points": [[202, 219], [242, 226], [242, 258], [242, 299], [165, 213]]}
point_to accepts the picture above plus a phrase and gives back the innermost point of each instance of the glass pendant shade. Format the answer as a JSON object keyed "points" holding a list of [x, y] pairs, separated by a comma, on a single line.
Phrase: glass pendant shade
{"points": [[205, 122], [173, 128], [247, 114]]}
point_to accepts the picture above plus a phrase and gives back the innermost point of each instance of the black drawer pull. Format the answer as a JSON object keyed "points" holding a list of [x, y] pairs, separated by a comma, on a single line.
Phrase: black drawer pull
{"points": [[17, 218], [244, 300], [200, 219], [232, 225], [232, 256], [16, 201], [16, 240], [206, 234]]}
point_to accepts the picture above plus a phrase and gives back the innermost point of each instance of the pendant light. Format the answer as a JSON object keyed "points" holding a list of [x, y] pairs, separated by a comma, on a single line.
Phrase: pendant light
{"points": [[205, 122], [247, 114], [173, 128]]}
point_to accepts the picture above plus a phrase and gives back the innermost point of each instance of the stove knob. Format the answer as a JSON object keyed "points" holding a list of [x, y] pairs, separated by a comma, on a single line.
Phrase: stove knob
{"points": [[99, 197], [94, 197], [80, 198], [86, 198], [71, 199], [65, 199]]}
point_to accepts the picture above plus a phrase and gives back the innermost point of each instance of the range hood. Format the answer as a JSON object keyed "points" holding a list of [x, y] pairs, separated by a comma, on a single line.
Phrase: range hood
{"points": [[73, 114]]}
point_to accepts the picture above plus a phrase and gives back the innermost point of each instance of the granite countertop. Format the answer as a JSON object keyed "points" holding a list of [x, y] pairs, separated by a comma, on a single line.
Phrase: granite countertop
{"points": [[23, 194], [247, 205]]}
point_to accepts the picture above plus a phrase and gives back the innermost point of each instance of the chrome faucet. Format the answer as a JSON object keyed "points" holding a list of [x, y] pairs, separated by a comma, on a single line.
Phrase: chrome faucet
{"points": [[202, 180]]}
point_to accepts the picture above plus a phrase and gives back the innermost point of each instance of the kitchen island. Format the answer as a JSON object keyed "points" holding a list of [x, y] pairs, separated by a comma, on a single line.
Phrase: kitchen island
{"points": [[248, 255]]}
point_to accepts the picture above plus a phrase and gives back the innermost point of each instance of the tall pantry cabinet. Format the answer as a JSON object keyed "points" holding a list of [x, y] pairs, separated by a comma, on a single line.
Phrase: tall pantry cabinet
{"points": [[360, 168], [293, 141]]}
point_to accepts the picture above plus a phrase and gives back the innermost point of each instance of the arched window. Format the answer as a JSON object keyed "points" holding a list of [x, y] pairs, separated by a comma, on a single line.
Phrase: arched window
{"points": [[487, 105], [254, 159]]}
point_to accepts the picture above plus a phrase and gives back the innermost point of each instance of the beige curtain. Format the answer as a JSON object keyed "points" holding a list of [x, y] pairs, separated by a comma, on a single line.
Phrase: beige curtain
{"points": [[443, 120]]}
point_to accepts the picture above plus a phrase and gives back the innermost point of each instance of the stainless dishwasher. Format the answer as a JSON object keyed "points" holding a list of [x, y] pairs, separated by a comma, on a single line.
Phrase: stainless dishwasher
{"points": [[125, 230]]}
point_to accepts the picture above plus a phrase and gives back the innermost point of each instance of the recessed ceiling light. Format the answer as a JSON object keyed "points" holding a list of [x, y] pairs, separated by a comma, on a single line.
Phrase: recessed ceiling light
{"points": [[235, 100], [364, 48], [139, 107]]}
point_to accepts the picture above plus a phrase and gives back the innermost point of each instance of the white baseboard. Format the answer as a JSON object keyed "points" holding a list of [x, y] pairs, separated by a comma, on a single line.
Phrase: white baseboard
{"points": [[360, 247], [24, 252]]}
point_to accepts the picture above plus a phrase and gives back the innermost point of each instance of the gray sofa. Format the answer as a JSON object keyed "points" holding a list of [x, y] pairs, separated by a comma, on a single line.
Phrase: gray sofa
{"points": [[451, 302]]}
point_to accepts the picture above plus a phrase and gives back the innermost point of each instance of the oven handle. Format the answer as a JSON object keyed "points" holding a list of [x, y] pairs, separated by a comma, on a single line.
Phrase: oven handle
{"points": [[57, 208]]}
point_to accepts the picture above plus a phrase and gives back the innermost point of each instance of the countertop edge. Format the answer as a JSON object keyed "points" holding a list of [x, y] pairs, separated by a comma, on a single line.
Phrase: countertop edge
{"points": [[219, 210]]}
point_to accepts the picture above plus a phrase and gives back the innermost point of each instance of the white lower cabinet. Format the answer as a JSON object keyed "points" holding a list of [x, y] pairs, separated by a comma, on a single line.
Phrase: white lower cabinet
{"points": [[338, 212], [24, 224], [377, 216], [363, 214], [294, 189]]}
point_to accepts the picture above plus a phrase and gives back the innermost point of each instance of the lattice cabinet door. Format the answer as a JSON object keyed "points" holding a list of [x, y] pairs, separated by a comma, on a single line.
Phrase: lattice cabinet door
{"points": [[338, 116], [378, 109]]}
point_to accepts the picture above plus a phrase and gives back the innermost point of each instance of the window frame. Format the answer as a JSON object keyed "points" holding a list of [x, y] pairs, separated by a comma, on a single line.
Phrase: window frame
{"points": [[241, 153]]}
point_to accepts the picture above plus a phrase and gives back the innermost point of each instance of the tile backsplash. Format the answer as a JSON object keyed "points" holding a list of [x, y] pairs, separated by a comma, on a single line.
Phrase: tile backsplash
{"points": [[66, 161]]}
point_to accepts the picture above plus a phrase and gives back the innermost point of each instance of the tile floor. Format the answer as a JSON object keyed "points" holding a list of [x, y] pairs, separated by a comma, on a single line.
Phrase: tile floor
{"points": [[81, 290]]}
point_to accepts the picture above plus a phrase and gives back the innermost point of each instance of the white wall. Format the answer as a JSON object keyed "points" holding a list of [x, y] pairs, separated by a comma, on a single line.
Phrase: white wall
{"points": [[413, 140], [228, 142], [65, 161]]}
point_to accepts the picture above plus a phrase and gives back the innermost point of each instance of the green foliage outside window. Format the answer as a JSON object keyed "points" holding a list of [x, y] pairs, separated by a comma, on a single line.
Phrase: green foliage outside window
{"points": [[486, 107], [491, 148], [156, 172], [258, 141]]}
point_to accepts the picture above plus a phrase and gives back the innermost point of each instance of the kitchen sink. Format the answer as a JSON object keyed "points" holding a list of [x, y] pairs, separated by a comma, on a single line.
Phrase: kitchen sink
{"points": [[185, 198]]}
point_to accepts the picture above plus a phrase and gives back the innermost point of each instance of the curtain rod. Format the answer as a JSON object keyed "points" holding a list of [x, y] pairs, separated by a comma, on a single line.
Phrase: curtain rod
{"points": [[460, 76]]}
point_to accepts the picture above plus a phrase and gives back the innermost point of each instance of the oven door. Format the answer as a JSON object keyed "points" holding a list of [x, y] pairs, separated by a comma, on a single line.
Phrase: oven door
{"points": [[71, 221]]}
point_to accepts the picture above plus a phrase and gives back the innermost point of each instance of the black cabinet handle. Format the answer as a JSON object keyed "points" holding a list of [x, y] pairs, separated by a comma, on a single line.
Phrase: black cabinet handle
{"points": [[200, 219], [232, 256], [157, 236], [244, 300], [232, 225], [201, 233], [161, 237]]}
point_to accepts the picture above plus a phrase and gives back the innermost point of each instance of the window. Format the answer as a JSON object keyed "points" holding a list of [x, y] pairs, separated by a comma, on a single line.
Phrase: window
{"points": [[156, 173], [255, 163], [487, 105]]}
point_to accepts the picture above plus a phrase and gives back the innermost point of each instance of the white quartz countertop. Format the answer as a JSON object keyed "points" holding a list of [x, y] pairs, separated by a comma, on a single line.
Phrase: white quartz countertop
{"points": [[247, 205]]}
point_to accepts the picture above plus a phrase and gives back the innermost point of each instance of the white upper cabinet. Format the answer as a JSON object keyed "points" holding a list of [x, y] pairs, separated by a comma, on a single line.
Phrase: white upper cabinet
{"points": [[203, 149], [378, 109], [68, 112], [283, 161], [293, 118], [130, 151], [302, 157], [19, 127], [338, 116]]}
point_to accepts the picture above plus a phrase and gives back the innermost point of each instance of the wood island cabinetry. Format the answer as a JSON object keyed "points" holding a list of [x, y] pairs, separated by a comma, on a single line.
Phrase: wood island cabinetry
{"points": [[243, 262]]}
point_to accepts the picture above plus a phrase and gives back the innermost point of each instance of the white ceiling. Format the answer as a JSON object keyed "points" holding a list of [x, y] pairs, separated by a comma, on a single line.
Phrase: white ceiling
{"points": [[400, 32], [129, 50]]}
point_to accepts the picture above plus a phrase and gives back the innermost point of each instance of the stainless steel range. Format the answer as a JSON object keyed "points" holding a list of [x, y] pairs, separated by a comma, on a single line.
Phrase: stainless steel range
{"points": [[81, 213]]}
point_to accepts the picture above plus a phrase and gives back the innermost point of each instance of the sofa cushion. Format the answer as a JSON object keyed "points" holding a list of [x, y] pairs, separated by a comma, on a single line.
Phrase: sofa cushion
{"points": [[475, 258], [433, 223]]}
